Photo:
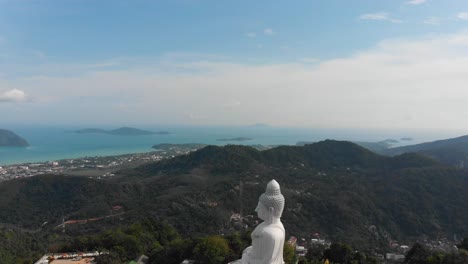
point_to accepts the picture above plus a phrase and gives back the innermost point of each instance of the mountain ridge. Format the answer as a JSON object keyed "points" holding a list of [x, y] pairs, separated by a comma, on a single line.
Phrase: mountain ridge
{"points": [[452, 151], [323, 154], [335, 188]]}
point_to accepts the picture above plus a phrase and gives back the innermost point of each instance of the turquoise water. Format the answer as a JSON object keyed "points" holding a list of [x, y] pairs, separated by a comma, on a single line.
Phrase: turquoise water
{"points": [[54, 143]]}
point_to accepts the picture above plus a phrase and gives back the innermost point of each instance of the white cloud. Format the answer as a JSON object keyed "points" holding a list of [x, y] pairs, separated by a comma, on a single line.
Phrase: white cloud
{"points": [[462, 15], [399, 83], [380, 16], [434, 21], [251, 35], [416, 2], [268, 31], [374, 16], [14, 96]]}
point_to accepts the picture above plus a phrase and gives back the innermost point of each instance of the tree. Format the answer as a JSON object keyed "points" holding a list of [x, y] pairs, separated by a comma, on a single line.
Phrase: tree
{"points": [[315, 253], [173, 253], [464, 244], [237, 243], [108, 259], [456, 258], [211, 250], [289, 254], [358, 258], [418, 254], [372, 260], [338, 253], [436, 259]]}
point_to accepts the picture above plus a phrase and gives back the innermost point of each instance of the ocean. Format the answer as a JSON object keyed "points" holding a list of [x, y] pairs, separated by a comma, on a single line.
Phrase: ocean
{"points": [[55, 143]]}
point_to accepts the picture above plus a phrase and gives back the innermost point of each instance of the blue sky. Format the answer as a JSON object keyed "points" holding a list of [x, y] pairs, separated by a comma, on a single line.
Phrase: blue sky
{"points": [[98, 30], [331, 63]]}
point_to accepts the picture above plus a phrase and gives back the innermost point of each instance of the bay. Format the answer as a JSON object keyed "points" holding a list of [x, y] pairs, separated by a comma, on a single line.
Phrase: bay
{"points": [[55, 143]]}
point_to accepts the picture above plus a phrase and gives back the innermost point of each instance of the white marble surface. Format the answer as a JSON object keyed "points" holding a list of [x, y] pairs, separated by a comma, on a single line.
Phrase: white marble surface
{"points": [[268, 237]]}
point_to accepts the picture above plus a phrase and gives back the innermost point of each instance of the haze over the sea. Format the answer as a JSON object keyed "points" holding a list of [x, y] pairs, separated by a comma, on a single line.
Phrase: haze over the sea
{"points": [[53, 143]]}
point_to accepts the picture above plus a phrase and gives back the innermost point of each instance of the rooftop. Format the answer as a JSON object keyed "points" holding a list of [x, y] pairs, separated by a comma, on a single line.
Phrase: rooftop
{"points": [[73, 261]]}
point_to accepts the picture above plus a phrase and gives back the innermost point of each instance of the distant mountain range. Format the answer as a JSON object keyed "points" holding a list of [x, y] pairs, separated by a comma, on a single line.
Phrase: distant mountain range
{"points": [[10, 139], [377, 147], [123, 131], [452, 151]]}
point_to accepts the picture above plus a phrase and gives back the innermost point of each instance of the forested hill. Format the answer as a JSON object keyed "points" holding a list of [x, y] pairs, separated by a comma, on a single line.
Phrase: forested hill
{"points": [[331, 153], [30, 202], [326, 154], [338, 189], [452, 151], [10, 139]]}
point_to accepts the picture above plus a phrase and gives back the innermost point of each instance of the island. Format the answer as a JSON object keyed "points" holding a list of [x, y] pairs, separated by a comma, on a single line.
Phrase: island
{"points": [[406, 139], [234, 139], [123, 131], [10, 139]]}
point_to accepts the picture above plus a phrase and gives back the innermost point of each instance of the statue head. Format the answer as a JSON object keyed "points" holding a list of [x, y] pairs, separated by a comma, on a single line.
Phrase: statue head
{"points": [[272, 200]]}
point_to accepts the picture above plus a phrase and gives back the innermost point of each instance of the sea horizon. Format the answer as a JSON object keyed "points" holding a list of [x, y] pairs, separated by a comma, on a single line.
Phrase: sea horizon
{"points": [[49, 143]]}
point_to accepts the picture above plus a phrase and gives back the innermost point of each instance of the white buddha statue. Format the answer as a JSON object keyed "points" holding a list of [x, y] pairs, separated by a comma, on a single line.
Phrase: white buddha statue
{"points": [[268, 237]]}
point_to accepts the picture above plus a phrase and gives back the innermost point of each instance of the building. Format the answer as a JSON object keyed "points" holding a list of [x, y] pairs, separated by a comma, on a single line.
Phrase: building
{"points": [[394, 258], [70, 258]]}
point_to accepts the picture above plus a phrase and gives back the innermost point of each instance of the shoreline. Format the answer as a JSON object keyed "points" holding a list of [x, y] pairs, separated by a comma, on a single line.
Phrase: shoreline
{"points": [[77, 156], [91, 166], [108, 154], [100, 166]]}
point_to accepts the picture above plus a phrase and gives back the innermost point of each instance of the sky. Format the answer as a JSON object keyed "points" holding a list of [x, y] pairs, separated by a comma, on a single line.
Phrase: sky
{"points": [[399, 64]]}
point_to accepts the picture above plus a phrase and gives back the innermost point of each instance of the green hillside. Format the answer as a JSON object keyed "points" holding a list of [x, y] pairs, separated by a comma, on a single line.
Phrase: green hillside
{"points": [[30, 202], [338, 189]]}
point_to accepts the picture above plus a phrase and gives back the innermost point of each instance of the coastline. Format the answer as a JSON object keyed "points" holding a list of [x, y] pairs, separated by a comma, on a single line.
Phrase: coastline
{"points": [[56, 157], [52, 143], [96, 166]]}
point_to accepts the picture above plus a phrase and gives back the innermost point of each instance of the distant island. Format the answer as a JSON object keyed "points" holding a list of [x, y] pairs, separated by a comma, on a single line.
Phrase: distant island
{"points": [[234, 139], [10, 139], [123, 131], [378, 147]]}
